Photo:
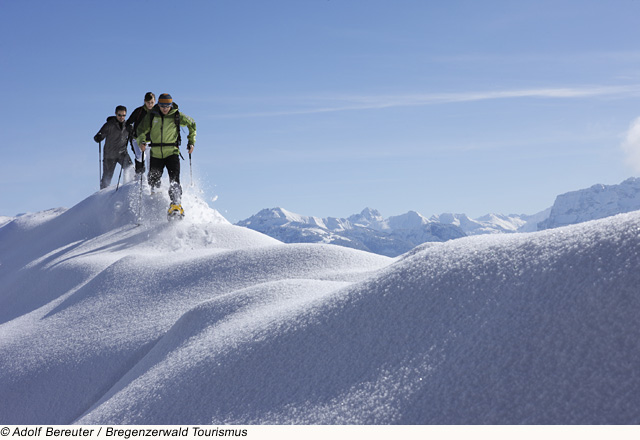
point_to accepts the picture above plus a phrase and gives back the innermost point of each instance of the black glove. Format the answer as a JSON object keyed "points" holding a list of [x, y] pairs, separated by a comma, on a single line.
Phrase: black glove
{"points": [[97, 138]]}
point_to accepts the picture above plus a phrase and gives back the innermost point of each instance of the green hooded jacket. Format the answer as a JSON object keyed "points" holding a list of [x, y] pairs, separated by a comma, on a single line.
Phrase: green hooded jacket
{"points": [[162, 131]]}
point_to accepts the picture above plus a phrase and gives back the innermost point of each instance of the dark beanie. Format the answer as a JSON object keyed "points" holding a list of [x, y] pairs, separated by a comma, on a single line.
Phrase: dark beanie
{"points": [[165, 99]]}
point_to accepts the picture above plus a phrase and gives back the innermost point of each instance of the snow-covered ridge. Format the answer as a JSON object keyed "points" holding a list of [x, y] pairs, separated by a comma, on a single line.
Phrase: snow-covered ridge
{"points": [[598, 201], [4, 220], [492, 223], [203, 322]]}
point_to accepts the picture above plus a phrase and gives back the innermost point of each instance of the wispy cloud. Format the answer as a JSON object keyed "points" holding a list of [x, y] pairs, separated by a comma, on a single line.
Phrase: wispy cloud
{"points": [[340, 103]]}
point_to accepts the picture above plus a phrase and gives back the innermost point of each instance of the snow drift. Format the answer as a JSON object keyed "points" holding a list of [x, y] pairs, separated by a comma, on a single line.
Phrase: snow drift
{"points": [[203, 322]]}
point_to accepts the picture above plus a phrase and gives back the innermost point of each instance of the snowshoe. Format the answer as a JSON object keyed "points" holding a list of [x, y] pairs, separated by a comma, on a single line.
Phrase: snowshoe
{"points": [[175, 212]]}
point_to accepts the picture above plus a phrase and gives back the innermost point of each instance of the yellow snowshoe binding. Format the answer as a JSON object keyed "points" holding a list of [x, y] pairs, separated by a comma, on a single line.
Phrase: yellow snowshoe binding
{"points": [[175, 211]]}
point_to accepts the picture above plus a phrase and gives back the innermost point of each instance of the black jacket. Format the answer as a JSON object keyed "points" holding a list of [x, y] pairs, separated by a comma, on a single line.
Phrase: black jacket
{"points": [[135, 118], [116, 135]]}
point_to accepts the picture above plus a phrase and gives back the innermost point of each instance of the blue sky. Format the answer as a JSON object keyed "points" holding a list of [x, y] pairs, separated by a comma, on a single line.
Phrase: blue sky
{"points": [[324, 107]]}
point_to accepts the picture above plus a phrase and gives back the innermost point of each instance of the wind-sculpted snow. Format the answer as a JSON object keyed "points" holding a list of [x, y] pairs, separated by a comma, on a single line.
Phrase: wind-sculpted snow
{"points": [[86, 294], [229, 326]]}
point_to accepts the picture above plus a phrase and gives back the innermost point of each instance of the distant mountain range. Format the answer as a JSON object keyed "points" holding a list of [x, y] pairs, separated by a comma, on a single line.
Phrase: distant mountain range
{"points": [[393, 236]]}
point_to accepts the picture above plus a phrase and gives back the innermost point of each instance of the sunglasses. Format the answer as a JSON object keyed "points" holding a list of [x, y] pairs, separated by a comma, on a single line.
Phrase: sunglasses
{"points": [[164, 105], [121, 115]]}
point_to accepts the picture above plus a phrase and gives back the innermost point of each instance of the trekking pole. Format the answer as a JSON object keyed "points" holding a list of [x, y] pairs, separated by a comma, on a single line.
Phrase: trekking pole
{"points": [[190, 169], [140, 195], [120, 175], [100, 164]]}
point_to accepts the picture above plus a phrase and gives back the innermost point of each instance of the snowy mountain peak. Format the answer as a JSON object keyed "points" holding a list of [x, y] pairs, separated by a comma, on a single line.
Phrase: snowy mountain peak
{"points": [[487, 224], [595, 202], [278, 213], [409, 220], [371, 214], [272, 217], [450, 218], [368, 218]]}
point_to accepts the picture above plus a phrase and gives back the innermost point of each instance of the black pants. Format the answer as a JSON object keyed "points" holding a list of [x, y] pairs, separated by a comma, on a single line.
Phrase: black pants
{"points": [[109, 166], [172, 164]]}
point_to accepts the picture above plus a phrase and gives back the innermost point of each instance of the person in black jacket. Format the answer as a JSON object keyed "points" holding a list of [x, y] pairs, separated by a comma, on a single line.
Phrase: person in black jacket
{"points": [[115, 147], [132, 124]]}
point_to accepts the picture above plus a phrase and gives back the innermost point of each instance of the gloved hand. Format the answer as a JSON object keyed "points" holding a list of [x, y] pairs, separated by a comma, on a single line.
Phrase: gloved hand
{"points": [[190, 148], [97, 138]]}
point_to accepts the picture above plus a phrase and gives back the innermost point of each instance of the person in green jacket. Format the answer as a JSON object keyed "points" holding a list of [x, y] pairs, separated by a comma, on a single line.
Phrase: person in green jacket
{"points": [[161, 131]]}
